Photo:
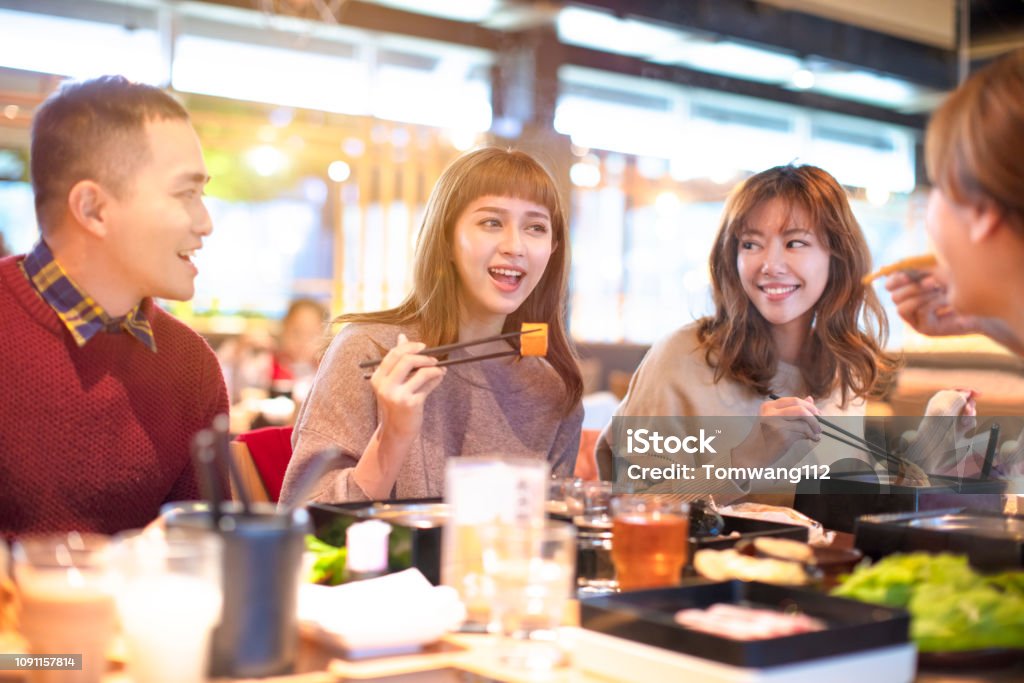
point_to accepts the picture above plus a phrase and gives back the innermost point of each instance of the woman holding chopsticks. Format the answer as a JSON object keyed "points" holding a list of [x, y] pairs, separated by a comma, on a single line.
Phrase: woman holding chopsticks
{"points": [[795, 334], [975, 212], [975, 220], [492, 254]]}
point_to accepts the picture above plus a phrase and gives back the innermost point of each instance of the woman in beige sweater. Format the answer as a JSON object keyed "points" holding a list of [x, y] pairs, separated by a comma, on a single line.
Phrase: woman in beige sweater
{"points": [[792, 319]]}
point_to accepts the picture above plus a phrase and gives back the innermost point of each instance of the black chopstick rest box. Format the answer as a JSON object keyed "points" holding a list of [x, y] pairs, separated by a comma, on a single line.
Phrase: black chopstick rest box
{"points": [[838, 502], [648, 617], [991, 541]]}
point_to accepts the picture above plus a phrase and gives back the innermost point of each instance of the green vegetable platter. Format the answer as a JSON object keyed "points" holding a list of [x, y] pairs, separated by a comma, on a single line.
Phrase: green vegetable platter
{"points": [[953, 608]]}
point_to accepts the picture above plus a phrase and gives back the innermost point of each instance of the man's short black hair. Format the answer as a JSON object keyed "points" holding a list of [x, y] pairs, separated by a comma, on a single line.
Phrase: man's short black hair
{"points": [[92, 130]]}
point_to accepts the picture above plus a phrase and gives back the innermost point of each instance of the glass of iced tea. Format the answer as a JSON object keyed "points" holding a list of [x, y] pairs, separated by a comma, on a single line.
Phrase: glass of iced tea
{"points": [[649, 540]]}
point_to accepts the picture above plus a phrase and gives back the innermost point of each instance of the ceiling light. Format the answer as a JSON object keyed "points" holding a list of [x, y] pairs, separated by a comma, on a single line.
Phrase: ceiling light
{"points": [[802, 79], [877, 196], [266, 160], [463, 139], [585, 175], [339, 171]]}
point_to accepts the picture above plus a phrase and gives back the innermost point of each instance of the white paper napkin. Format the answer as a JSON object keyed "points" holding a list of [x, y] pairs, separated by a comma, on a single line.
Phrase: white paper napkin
{"points": [[392, 614]]}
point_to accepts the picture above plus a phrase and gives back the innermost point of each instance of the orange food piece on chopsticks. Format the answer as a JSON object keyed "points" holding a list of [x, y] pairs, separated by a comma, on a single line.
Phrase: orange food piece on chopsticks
{"points": [[534, 340], [921, 262]]}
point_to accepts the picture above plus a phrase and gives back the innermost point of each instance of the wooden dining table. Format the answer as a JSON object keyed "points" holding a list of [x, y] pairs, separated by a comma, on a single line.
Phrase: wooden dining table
{"points": [[475, 658]]}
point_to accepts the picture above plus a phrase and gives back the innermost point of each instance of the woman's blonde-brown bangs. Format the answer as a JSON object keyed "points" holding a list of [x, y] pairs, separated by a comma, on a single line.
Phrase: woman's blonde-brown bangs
{"points": [[510, 176], [793, 197]]}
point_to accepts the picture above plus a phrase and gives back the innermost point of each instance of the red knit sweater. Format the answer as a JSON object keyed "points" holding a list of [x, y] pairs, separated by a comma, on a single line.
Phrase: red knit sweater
{"points": [[96, 438]]}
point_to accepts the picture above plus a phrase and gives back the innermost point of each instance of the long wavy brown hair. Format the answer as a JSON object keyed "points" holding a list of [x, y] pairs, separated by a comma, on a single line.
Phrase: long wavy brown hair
{"points": [[434, 302], [839, 353]]}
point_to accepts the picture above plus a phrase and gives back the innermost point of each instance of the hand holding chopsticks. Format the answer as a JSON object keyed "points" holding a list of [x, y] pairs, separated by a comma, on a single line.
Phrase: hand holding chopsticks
{"points": [[406, 376], [860, 443], [534, 343]]}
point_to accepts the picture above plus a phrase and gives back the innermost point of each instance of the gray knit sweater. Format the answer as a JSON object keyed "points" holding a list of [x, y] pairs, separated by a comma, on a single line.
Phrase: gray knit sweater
{"points": [[506, 406]]}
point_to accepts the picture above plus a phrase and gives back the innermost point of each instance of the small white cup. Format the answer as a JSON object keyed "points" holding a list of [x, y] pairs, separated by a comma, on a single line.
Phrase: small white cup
{"points": [[169, 598]]}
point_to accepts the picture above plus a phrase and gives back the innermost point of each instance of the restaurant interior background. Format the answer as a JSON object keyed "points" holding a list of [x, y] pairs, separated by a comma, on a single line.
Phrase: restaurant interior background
{"points": [[326, 122]]}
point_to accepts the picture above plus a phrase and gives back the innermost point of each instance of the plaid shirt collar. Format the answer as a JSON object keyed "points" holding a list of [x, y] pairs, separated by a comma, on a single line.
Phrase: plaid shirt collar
{"points": [[83, 317]]}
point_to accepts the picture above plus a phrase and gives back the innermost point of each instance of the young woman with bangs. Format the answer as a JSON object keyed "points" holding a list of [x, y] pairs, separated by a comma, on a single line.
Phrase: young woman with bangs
{"points": [[493, 252], [792, 319]]}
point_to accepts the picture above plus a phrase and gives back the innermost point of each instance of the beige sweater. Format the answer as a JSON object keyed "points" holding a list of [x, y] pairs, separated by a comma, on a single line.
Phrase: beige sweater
{"points": [[505, 406], [675, 380]]}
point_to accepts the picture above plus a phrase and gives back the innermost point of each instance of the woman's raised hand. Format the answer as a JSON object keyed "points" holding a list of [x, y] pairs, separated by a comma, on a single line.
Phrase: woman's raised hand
{"points": [[923, 303], [781, 423], [402, 382], [787, 420]]}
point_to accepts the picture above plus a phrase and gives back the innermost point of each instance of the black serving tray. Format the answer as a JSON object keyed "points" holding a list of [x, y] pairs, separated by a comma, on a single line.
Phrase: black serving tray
{"points": [[838, 502], [990, 541], [415, 539], [648, 617]]}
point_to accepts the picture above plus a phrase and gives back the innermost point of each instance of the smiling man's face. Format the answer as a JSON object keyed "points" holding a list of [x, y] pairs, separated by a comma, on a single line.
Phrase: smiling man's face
{"points": [[158, 220]]}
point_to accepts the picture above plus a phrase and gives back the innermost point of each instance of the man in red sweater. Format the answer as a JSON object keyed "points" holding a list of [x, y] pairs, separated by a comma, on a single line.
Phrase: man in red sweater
{"points": [[103, 390]]}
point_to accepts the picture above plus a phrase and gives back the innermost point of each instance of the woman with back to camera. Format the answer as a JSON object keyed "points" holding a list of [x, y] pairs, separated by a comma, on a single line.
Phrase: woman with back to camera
{"points": [[792, 318], [974, 153], [493, 253], [975, 219]]}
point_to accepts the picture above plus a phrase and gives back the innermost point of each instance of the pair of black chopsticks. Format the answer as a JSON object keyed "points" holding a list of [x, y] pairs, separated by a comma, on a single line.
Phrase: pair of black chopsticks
{"points": [[873, 450], [448, 348], [855, 441], [210, 451], [990, 451]]}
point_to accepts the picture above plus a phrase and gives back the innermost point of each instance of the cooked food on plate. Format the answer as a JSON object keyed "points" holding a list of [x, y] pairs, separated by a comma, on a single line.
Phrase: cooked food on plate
{"points": [[782, 515], [739, 622], [725, 565], [910, 474], [784, 549]]}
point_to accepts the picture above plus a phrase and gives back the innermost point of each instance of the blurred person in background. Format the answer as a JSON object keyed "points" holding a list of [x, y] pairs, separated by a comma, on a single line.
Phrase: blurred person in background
{"points": [[493, 253], [104, 390], [974, 153], [269, 377], [303, 332]]}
